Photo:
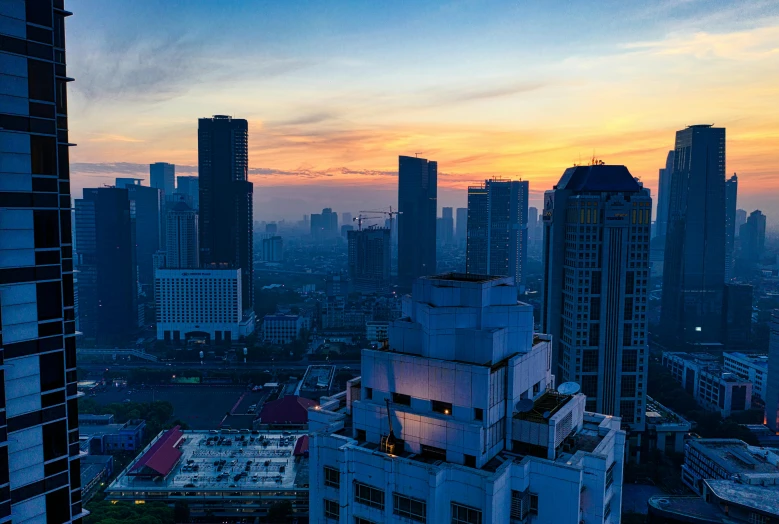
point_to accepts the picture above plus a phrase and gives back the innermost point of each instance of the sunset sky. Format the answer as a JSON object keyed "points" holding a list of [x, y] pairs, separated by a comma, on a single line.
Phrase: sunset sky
{"points": [[335, 90]]}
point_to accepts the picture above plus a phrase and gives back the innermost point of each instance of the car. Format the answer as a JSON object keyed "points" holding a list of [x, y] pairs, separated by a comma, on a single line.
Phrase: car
{"points": [[266, 371]]}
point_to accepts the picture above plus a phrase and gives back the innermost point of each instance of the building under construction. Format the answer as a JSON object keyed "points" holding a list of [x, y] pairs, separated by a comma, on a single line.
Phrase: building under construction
{"points": [[369, 260]]}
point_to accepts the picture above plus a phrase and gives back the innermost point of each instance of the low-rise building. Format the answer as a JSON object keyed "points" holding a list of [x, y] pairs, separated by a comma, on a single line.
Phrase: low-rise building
{"points": [[281, 329], [665, 429], [376, 330], [727, 459], [702, 376], [95, 471], [288, 412], [458, 421], [106, 436], [753, 368], [230, 475], [200, 303]]}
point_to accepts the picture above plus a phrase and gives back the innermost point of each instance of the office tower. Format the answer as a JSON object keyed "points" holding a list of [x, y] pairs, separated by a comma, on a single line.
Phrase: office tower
{"points": [[694, 258], [188, 186], [752, 238], [272, 248], [664, 195], [271, 228], [447, 227], [107, 267], [497, 229], [737, 316], [148, 209], [370, 260], [225, 217], [39, 451], [461, 226], [731, 194], [465, 428], [163, 176], [418, 205], [182, 250], [772, 390], [741, 219], [596, 269], [346, 218], [535, 232], [123, 182], [324, 225], [346, 228]]}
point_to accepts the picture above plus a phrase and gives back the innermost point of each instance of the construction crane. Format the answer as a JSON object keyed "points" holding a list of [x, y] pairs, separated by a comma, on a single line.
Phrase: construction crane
{"points": [[392, 214], [359, 218]]}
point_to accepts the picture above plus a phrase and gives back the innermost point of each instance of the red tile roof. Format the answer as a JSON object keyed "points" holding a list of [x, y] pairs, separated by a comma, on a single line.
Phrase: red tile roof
{"points": [[162, 456], [288, 410], [301, 446]]}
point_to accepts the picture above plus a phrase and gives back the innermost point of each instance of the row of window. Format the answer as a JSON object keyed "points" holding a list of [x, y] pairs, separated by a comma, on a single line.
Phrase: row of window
{"points": [[411, 509]]}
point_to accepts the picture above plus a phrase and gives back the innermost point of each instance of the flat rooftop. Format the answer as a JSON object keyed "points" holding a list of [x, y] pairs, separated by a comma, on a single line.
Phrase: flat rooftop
{"points": [[544, 407], [693, 507], [657, 414], [762, 498], [755, 360], [316, 375], [99, 429], [238, 462], [734, 455], [464, 277]]}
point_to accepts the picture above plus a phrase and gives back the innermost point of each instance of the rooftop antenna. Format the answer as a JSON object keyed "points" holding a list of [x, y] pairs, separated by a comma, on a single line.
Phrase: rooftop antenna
{"points": [[417, 154]]}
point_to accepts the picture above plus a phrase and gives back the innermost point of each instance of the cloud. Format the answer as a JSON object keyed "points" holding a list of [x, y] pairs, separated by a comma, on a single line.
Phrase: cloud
{"points": [[306, 119], [115, 138], [467, 94]]}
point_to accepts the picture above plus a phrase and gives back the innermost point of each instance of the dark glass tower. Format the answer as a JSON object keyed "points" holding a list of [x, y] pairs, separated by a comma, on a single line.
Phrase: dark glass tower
{"points": [[418, 205], [369, 260], [39, 450], [664, 195], [225, 220], [694, 260], [731, 196]]}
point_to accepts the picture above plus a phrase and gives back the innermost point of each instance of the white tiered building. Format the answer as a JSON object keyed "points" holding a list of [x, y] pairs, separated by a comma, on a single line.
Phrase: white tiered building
{"points": [[476, 432]]}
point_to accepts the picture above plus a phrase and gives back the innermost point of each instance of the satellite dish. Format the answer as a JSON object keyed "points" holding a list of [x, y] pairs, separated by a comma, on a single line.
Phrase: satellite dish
{"points": [[524, 405], [547, 414], [569, 388]]}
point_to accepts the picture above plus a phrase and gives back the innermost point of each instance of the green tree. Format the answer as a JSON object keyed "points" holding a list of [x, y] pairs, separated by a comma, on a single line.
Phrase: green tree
{"points": [[181, 512], [279, 511]]}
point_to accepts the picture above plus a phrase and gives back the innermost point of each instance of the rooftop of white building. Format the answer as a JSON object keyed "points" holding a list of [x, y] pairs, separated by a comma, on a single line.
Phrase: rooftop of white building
{"points": [[756, 360], [660, 417], [738, 458]]}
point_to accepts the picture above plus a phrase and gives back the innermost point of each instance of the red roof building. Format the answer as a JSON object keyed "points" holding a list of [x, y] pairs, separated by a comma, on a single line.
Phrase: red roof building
{"points": [[301, 447], [161, 457], [288, 412]]}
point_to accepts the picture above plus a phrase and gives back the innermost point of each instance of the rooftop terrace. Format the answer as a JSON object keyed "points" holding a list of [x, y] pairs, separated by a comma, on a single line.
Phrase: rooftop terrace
{"points": [[736, 456]]}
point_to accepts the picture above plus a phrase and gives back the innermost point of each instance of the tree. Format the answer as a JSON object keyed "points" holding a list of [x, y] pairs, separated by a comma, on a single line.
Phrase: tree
{"points": [[279, 511], [181, 512]]}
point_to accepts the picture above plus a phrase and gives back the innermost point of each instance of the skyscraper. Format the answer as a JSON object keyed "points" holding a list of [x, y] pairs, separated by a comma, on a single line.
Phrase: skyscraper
{"points": [[418, 205], [772, 388], [369, 260], [694, 258], [752, 238], [148, 208], [535, 231], [741, 219], [324, 225], [731, 195], [39, 450], [447, 226], [188, 186], [664, 195], [497, 229], [182, 250], [225, 222], [461, 225], [163, 176], [107, 266], [597, 223], [346, 218]]}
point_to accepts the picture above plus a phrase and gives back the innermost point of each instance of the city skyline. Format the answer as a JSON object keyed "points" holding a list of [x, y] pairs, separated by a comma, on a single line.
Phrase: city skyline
{"points": [[517, 104]]}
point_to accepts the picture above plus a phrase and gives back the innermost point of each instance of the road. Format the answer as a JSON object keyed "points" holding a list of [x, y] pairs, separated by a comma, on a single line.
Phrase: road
{"points": [[212, 365]]}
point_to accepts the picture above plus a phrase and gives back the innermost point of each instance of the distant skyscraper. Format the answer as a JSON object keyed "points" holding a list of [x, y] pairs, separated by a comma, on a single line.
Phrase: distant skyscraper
{"points": [[324, 225], [148, 209], [39, 450], [226, 222], [418, 205], [694, 258], [188, 185], [107, 282], [370, 260], [497, 229], [123, 182], [741, 219], [346, 218], [461, 230], [737, 316], [535, 231], [163, 176], [664, 195], [182, 251], [596, 268], [752, 238], [731, 195], [772, 389], [446, 235], [271, 228], [272, 248]]}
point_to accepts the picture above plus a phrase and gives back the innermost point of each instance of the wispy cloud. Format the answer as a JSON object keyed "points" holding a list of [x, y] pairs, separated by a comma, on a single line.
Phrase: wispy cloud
{"points": [[115, 138]]}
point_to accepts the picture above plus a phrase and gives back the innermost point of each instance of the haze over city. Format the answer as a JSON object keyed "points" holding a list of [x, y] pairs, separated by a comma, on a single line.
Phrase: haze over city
{"points": [[334, 91]]}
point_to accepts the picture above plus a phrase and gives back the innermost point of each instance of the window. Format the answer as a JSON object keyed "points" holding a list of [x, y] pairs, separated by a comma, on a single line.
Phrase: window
{"points": [[360, 520], [332, 477], [368, 393], [359, 434], [40, 80], [590, 360], [465, 515], [627, 410], [478, 414], [442, 407], [607, 511], [470, 461], [400, 398], [43, 155], [628, 387], [610, 474], [533, 504], [368, 495], [756, 518], [332, 510], [629, 360], [410, 508]]}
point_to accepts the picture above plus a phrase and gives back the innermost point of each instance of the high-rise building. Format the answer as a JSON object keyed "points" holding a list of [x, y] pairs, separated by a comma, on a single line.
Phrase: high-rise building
{"points": [[664, 195], [731, 195], [737, 316], [39, 451], [188, 186], [163, 176], [752, 238], [461, 224], [182, 250], [497, 229], [324, 225], [272, 248], [694, 258], [596, 269], [465, 427], [225, 221], [445, 233], [346, 218], [370, 260], [741, 219], [107, 266], [418, 205], [148, 208], [772, 389]]}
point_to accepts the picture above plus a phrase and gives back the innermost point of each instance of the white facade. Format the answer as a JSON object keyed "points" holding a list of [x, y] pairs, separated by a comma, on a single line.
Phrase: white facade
{"points": [[281, 329], [461, 358], [772, 390], [200, 301], [376, 330], [753, 368]]}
